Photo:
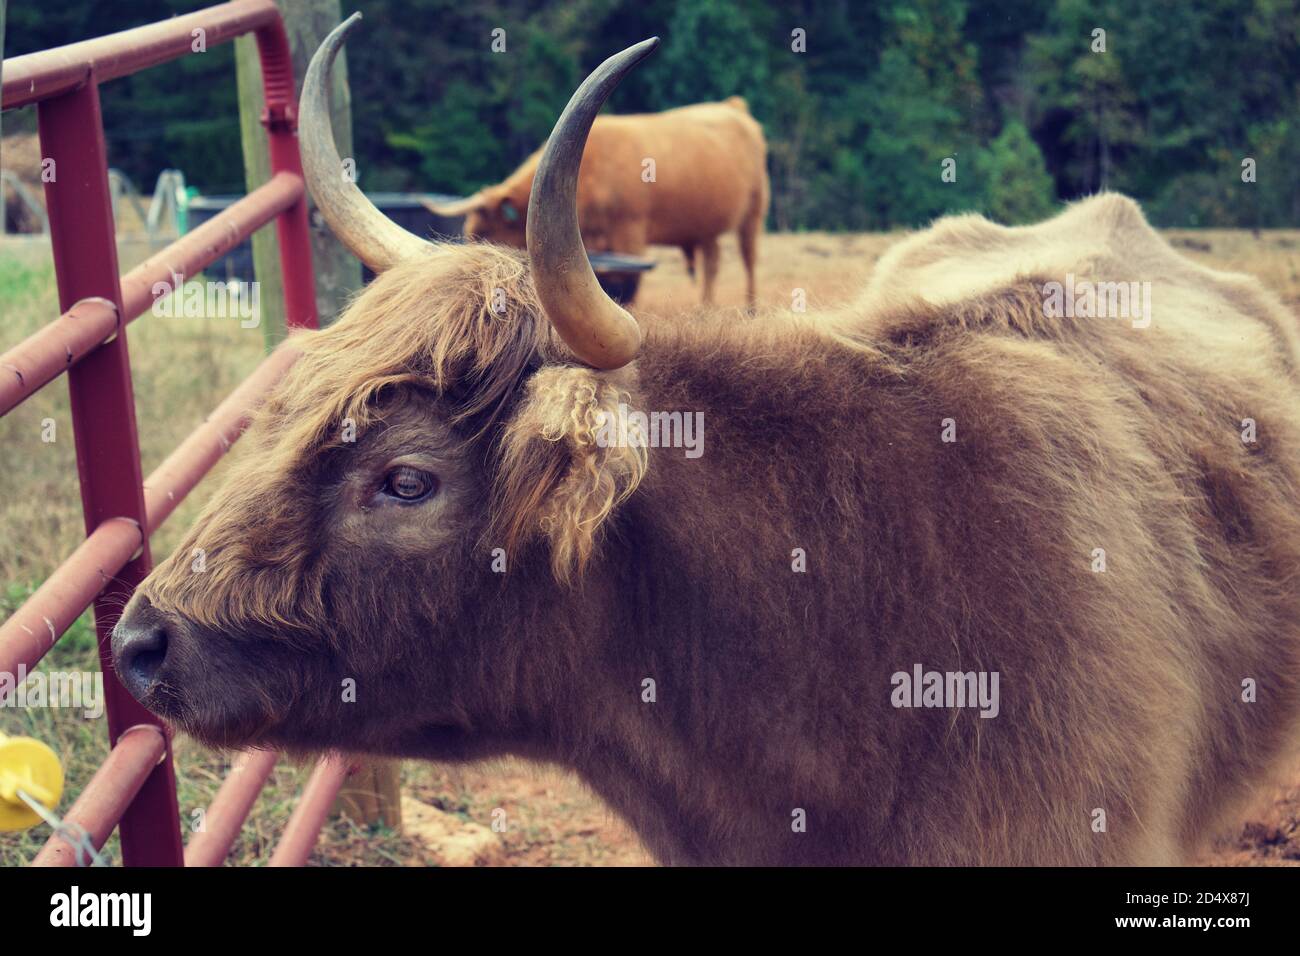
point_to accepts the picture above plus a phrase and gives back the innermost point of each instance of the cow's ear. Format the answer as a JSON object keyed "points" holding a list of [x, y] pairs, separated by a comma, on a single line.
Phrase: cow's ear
{"points": [[564, 466], [509, 211]]}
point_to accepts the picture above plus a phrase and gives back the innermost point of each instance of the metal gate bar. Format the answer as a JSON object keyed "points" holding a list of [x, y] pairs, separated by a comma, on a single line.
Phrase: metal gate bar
{"points": [[134, 789]]}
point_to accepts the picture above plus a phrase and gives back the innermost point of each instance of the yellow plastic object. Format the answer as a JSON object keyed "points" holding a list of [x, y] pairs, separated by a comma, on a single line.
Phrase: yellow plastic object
{"points": [[28, 765]]}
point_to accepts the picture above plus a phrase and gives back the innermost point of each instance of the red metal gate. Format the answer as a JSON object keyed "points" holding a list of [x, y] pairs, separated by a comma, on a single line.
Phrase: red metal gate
{"points": [[135, 788]]}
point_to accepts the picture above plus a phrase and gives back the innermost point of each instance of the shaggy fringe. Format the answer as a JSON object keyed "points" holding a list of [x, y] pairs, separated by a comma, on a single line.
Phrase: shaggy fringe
{"points": [[466, 327], [555, 477]]}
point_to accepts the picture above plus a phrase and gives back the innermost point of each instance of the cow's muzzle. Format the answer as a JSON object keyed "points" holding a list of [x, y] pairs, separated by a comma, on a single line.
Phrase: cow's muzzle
{"points": [[140, 642]]}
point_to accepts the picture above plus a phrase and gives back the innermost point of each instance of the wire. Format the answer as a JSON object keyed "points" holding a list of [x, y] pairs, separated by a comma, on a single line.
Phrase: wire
{"points": [[74, 834]]}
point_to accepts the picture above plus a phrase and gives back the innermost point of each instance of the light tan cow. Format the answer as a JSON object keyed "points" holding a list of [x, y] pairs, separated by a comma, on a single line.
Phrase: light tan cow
{"points": [[683, 177]]}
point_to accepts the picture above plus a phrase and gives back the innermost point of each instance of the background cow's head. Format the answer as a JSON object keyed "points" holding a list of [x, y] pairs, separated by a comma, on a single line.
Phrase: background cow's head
{"points": [[344, 587], [495, 213]]}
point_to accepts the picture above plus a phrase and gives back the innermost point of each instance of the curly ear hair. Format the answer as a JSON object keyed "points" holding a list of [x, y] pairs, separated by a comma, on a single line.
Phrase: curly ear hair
{"points": [[557, 479]]}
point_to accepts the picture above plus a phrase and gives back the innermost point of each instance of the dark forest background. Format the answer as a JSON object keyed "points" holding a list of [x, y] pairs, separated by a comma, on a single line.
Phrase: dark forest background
{"points": [[858, 125]]}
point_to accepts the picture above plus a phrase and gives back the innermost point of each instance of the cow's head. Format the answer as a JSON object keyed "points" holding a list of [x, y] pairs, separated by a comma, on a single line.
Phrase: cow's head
{"points": [[495, 213], [345, 586]]}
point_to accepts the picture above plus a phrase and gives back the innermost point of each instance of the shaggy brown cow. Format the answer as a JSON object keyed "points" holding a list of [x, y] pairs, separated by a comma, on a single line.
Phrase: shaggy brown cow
{"points": [[758, 654], [710, 179]]}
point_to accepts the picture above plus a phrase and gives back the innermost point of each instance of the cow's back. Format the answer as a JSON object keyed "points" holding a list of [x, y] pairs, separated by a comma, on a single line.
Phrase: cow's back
{"points": [[1151, 464], [1097, 533], [708, 163]]}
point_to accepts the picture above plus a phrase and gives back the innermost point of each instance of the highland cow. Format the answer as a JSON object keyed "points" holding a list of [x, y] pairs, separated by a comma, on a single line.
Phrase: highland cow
{"points": [[941, 479]]}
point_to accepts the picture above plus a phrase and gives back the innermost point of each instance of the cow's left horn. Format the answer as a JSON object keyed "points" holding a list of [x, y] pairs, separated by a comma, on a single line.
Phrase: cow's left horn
{"points": [[592, 325], [373, 238]]}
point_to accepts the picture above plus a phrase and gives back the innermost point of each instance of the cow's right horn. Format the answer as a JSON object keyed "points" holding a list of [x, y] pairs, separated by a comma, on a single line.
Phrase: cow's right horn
{"points": [[373, 238], [592, 325]]}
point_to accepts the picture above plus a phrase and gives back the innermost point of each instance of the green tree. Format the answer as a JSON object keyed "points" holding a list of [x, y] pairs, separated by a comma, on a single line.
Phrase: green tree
{"points": [[452, 152], [1013, 179], [1085, 91], [858, 121], [710, 52], [895, 130]]}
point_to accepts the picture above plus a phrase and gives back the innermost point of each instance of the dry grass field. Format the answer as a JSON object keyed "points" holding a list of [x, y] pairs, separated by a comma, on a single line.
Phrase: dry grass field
{"points": [[183, 367]]}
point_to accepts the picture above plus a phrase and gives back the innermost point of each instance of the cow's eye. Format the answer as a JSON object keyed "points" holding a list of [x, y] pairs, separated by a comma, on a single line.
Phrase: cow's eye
{"points": [[409, 484]]}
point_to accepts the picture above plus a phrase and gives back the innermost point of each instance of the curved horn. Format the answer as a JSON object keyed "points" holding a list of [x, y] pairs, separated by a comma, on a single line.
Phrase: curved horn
{"points": [[592, 325], [373, 238]]}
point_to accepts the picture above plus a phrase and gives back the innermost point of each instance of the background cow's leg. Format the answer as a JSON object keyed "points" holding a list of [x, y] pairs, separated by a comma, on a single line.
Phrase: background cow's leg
{"points": [[689, 250], [709, 255], [749, 230]]}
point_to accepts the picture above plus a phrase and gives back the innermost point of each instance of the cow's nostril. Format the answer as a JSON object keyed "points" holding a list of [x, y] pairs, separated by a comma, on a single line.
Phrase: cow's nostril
{"points": [[139, 653]]}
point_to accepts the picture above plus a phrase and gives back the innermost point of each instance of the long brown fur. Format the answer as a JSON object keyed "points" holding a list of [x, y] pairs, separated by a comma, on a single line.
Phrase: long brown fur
{"points": [[1121, 690]]}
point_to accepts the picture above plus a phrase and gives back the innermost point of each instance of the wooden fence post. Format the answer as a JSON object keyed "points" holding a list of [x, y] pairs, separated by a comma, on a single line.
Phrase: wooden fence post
{"points": [[338, 274], [373, 795]]}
